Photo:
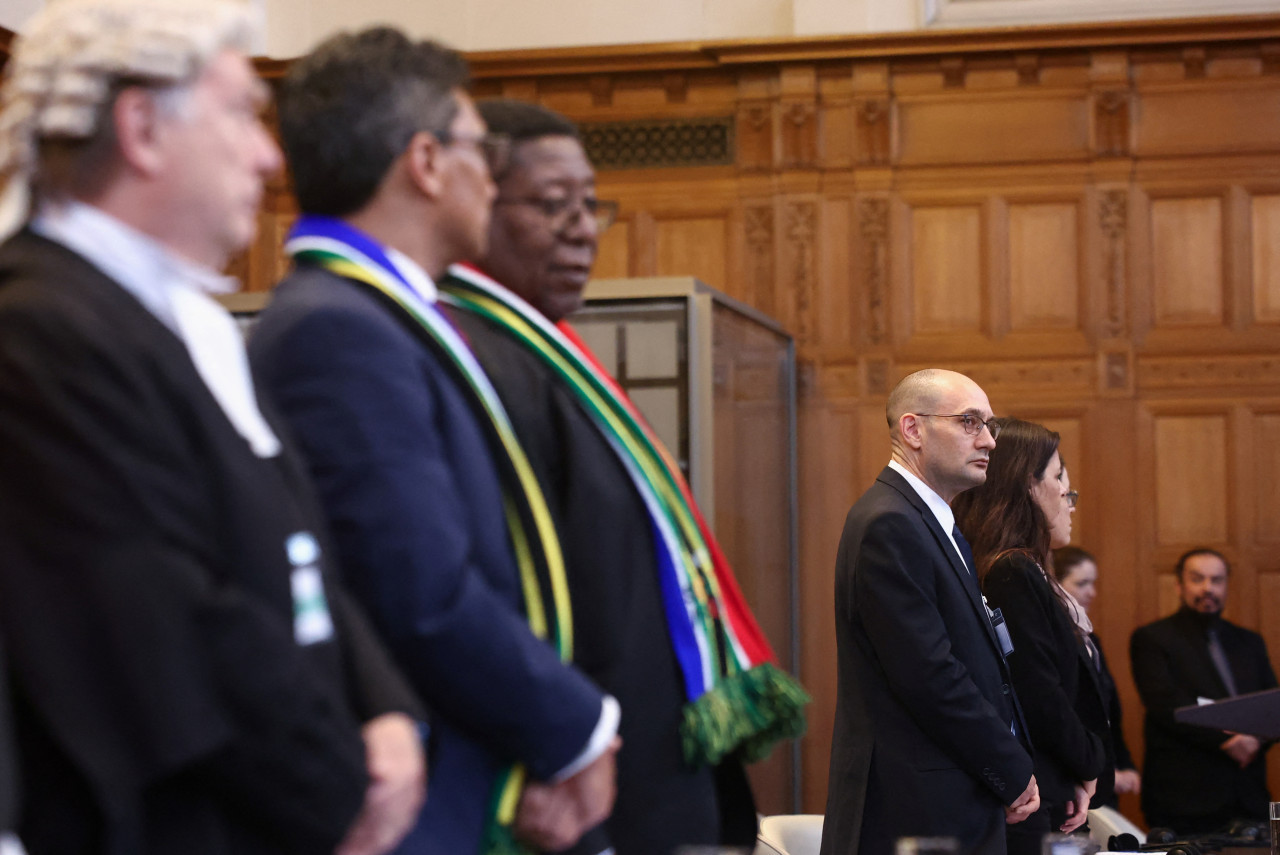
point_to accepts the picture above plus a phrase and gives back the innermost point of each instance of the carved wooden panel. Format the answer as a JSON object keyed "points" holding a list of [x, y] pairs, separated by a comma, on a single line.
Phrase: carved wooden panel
{"points": [[836, 320], [1112, 108], [946, 268], [873, 270], [613, 252], [1115, 373], [755, 135], [799, 131], [758, 284], [1113, 220], [693, 246], [1268, 598], [836, 120], [1265, 467], [263, 263], [874, 131], [1240, 374], [1071, 446], [1186, 256], [941, 131], [1190, 491], [795, 304], [1018, 384], [1225, 119], [1265, 246], [1044, 266]]}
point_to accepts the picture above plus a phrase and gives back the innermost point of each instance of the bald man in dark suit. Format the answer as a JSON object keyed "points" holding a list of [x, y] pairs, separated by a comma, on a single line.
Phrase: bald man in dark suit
{"points": [[928, 739]]}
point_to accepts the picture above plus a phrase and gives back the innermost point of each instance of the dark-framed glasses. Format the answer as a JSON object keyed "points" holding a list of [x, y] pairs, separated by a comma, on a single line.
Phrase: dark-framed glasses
{"points": [[494, 148], [971, 422], [562, 211], [1073, 496]]}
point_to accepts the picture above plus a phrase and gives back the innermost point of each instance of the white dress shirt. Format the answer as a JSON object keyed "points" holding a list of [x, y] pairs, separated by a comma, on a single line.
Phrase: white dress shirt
{"points": [[941, 510]]}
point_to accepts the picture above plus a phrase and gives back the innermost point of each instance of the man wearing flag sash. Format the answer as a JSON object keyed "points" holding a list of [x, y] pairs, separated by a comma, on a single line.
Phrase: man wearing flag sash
{"points": [[439, 523], [659, 620]]}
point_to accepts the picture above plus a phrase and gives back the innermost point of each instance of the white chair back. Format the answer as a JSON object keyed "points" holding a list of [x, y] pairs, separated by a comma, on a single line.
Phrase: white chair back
{"points": [[790, 834], [1104, 822]]}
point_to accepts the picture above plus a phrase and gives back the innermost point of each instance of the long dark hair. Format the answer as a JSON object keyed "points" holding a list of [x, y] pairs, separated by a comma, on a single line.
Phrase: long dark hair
{"points": [[1001, 516]]}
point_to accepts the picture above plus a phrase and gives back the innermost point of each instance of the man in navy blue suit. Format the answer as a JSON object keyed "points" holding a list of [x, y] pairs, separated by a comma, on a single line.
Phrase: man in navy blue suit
{"points": [[391, 165]]}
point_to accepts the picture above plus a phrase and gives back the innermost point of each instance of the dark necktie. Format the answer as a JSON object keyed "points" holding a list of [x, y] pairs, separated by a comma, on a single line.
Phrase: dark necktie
{"points": [[1220, 662], [965, 552]]}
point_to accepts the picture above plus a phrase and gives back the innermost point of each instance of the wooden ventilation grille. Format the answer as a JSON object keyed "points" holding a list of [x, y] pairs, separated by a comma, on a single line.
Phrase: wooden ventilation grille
{"points": [[652, 144]]}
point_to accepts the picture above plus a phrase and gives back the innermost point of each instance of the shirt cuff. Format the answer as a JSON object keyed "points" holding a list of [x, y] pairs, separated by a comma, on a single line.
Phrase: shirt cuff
{"points": [[606, 729]]}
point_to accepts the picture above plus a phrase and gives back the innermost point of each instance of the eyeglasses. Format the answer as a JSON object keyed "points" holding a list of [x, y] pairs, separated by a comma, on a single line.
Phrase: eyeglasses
{"points": [[494, 148], [562, 211], [972, 422], [1073, 496]]}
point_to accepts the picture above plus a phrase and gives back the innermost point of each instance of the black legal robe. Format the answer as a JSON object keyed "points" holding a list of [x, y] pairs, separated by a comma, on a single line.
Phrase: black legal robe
{"points": [[162, 701], [620, 628]]}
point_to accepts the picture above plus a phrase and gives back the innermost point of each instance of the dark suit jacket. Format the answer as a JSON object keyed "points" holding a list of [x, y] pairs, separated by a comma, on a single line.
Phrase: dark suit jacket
{"points": [[9, 780], [1120, 756], [1056, 682], [922, 743], [416, 511], [161, 701], [620, 628], [1185, 774]]}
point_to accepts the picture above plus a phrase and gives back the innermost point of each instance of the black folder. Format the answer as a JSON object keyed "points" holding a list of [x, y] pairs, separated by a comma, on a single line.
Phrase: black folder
{"points": [[1257, 714]]}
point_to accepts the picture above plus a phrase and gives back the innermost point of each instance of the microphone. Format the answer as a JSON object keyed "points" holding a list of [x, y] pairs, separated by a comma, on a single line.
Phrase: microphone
{"points": [[1125, 842]]}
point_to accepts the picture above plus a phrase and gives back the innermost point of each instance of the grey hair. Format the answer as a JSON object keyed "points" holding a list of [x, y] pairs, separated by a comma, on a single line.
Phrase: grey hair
{"points": [[75, 56]]}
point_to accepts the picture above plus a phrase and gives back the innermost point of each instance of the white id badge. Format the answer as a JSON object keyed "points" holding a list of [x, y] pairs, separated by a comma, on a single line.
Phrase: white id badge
{"points": [[312, 622]]}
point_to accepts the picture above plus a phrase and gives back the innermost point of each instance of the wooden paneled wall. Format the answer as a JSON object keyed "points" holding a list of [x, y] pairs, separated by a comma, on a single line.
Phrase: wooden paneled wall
{"points": [[1085, 219]]}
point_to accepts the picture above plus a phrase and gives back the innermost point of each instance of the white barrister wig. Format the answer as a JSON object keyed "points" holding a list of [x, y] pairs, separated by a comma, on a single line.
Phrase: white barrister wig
{"points": [[66, 62]]}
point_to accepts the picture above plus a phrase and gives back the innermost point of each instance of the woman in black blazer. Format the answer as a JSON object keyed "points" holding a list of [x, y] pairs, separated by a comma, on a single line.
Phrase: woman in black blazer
{"points": [[1077, 571], [1012, 522]]}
